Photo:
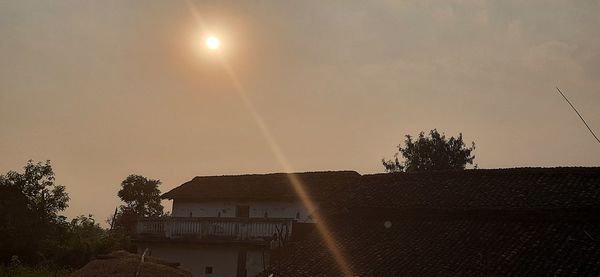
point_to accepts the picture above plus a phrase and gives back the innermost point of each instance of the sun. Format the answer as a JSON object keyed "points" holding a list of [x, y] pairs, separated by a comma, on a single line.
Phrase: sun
{"points": [[213, 43]]}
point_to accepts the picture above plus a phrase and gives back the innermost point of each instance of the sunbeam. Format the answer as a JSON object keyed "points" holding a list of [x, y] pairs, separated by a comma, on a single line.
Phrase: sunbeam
{"points": [[306, 200]]}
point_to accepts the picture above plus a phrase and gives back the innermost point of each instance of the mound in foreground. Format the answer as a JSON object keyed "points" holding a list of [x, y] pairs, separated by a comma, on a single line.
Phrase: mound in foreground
{"points": [[121, 264]]}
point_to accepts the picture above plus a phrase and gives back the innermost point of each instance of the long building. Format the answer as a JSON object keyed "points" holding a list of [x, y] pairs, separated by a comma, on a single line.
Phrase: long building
{"points": [[483, 222]]}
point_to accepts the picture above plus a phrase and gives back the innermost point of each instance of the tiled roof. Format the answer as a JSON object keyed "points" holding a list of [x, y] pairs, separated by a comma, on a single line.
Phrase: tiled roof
{"points": [[501, 222], [506, 189], [275, 186], [435, 247]]}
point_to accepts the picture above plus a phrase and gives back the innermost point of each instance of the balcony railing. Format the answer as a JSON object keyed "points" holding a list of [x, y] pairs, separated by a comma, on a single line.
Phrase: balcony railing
{"points": [[221, 229]]}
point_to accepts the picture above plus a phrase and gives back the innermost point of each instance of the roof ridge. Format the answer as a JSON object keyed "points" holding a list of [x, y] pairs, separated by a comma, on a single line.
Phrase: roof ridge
{"points": [[494, 170], [261, 186], [276, 173]]}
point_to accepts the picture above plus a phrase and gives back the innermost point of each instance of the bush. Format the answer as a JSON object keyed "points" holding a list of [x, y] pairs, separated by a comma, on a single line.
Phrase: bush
{"points": [[16, 269]]}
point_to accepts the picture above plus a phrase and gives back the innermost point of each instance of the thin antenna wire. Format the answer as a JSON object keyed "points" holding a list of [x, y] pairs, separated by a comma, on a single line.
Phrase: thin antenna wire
{"points": [[586, 125]]}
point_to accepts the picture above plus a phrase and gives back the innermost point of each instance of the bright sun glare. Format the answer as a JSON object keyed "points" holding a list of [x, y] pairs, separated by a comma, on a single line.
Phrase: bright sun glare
{"points": [[213, 42]]}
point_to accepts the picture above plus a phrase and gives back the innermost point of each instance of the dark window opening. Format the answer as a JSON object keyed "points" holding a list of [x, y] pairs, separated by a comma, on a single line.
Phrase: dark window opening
{"points": [[242, 211], [208, 270]]}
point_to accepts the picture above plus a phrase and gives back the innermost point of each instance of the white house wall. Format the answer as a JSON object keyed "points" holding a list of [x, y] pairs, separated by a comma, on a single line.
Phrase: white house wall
{"points": [[270, 209], [204, 209]]}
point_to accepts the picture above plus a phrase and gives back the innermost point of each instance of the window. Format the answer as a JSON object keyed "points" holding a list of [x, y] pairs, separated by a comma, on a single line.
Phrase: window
{"points": [[298, 215], [242, 211], [208, 270]]}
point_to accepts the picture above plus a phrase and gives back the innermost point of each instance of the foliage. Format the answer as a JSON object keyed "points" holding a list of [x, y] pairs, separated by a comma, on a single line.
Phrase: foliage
{"points": [[81, 240], [120, 239], [16, 268], [18, 231], [35, 271], [125, 220], [34, 239], [142, 199], [30, 202], [141, 196], [45, 198], [432, 152]]}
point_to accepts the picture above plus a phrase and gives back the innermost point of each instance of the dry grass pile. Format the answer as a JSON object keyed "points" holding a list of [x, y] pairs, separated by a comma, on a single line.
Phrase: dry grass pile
{"points": [[124, 264]]}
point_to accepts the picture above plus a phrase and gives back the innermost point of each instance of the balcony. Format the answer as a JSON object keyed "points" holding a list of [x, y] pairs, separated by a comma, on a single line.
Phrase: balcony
{"points": [[261, 231]]}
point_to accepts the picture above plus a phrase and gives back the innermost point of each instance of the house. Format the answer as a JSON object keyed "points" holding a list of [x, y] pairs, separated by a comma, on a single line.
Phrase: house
{"points": [[496, 222], [228, 225]]}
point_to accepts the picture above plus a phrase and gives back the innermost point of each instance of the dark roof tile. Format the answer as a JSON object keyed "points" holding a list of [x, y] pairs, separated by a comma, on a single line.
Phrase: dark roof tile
{"points": [[500, 222], [433, 247], [516, 188], [275, 186]]}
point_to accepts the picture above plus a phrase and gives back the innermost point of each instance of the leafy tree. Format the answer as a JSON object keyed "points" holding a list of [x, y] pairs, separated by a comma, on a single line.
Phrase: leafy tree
{"points": [[141, 196], [18, 237], [32, 231], [142, 199], [81, 240], [37, 184], [29, 205], [432, 152]]}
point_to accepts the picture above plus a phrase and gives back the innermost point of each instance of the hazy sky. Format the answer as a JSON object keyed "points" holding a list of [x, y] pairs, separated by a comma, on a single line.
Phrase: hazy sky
{"points": [[109, 88]]}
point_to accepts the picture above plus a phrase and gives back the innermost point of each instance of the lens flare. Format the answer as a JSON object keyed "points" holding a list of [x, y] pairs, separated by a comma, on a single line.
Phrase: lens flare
{"points": [[297, 185]]}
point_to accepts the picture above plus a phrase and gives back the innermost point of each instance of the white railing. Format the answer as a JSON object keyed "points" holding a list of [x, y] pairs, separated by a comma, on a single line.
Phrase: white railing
{"points": [[222, 228]]}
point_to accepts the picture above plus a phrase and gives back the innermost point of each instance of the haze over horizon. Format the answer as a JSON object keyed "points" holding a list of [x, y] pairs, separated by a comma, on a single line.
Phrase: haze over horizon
{"points": [[112, 88]]}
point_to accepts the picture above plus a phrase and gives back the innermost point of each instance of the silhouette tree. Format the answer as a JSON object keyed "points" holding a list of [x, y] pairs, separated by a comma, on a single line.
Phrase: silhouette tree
{"points": [[81, 240], [142, 199], [37, 184], [29, 206], [31, 230], [432, 152], [17, 237], [141, 196]]}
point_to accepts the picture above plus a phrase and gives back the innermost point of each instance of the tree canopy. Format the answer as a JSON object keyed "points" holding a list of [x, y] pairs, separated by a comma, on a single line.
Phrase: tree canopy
{"points": [[29, 203], [142, 199], [33, 232], [141, 196], [431, 152], [37, 185]]}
